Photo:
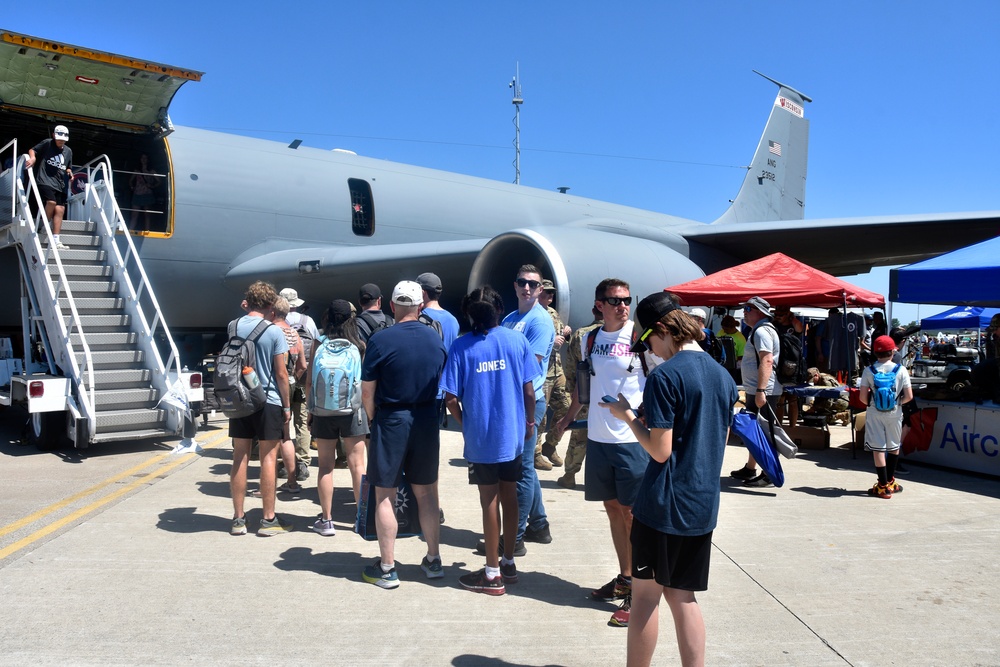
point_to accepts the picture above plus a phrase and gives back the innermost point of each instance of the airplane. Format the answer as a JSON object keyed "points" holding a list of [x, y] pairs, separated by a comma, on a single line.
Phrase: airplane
{"points": [[233, 209]]}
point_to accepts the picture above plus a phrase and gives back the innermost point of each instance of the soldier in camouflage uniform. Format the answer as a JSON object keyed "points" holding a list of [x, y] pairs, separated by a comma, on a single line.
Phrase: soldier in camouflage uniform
{"points": [[834, 409], [556, 397], [577, 448]]}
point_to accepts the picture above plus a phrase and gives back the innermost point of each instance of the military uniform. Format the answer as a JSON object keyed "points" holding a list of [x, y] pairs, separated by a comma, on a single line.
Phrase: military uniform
{"points": [[556, 398], [833, 408], [577, 448]]}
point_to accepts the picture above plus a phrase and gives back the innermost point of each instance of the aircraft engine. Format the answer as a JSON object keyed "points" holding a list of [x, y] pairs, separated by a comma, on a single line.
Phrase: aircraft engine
{"points": [[576, 259]]}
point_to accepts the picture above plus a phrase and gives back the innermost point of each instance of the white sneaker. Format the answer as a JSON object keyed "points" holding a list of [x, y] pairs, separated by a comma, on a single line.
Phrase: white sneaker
{"points": [[61, 246]]}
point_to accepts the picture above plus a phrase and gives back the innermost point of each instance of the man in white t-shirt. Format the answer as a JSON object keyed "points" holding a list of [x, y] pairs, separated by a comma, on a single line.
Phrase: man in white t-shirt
{"points": [[616, 462]]}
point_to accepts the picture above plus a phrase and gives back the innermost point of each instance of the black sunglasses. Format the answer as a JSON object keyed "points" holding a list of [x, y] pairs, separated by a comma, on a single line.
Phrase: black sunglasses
{"points": [[615, 300], [523, 282]]}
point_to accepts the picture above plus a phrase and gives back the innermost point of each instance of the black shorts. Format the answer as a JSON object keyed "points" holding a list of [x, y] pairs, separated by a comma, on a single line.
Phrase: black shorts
{"points": [[674, 561], [267, 423], [488, 474], [331, 428], [52, 194]]}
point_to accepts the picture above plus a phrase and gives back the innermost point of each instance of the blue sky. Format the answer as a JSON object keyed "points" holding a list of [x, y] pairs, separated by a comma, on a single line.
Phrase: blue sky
{"points": [[650, 104]]}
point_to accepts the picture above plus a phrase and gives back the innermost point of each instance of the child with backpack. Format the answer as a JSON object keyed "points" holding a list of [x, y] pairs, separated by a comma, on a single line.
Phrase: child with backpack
{"points": [[885, 387], [333, 396]]}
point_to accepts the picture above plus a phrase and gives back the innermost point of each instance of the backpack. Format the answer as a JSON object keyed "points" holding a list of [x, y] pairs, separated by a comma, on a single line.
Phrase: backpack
{"points": [[713, 346], [235, 398], [336, 379], [373, 324], [586, 365], [791, 367], [884, 393], [432, 323]]}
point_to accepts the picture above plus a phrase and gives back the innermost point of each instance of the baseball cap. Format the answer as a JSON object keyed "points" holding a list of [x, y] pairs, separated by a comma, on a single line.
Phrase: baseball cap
{"points": [[407, 293], [339, 310], [61, 132], [883, 344], [292, 297], [649, 311], [758, 303], [369, 292], [548, 286], [698, 312], [430, 282]]}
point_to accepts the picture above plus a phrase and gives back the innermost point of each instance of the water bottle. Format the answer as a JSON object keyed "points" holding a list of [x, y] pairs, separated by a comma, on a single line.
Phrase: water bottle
{"points": [[583, 381], [250, 378]]}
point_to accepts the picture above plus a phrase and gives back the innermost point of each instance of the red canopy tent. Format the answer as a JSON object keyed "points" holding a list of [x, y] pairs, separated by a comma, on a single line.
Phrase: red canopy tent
{"points": [[778, 278]]}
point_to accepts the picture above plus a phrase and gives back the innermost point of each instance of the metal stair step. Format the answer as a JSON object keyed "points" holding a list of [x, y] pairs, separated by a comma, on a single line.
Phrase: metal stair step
{"points": [[79, 226], [98, 286], [115, 339], [115, 436], [129, 420], [91, 256], [97, 323], [82, 270], [109, 305], [120, 358], [141, 397], [82, 241], [122, 378]]}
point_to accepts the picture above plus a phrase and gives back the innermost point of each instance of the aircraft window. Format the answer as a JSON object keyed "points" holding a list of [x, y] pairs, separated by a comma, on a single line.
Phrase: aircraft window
{"points": [[362, 207]]}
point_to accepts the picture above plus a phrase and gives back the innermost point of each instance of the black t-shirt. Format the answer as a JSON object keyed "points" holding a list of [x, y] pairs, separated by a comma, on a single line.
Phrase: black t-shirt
{"points": [[51, 163]]}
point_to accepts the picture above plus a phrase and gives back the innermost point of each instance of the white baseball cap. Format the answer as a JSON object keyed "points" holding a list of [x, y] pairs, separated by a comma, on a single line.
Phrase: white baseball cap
{"points": [[61, 132], [407, 293], [698, 312]]}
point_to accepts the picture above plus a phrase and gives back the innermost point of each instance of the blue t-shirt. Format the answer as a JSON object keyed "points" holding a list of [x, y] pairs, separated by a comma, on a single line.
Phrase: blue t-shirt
{"points": [[449, 328], [488, 373], [693, 395], [536, 325], [270, 343], [406, 361]]}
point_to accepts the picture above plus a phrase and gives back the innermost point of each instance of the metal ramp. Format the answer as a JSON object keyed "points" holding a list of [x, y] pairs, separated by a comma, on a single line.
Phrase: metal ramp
{"points": [[92, 327]]}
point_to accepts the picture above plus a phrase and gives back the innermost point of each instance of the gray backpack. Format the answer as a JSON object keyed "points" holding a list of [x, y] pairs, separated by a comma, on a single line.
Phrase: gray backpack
{"points": [[239, 393]]}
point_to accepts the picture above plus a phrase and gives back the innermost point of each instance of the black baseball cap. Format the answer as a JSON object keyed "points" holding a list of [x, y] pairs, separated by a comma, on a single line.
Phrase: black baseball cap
{"points": [[369, 292], [650, 311]]}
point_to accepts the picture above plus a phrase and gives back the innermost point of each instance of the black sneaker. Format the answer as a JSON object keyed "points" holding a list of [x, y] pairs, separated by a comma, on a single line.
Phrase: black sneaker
{"points": [[744, 473], [509, 573], [540, 535], [618, 588], [519, 549], [480, 583], [301, 471], [760, 481]]}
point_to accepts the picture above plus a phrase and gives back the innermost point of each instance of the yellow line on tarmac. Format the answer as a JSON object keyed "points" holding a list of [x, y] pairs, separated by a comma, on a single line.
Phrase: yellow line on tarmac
{"points": [[31, 518]]}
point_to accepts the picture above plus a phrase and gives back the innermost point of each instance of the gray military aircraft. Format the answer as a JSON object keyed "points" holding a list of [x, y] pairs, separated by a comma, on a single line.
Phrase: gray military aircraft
{"points": [[232, 209]]}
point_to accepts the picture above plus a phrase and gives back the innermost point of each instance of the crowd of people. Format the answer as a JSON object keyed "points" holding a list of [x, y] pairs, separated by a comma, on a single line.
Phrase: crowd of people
{"points": [[656, 402]]}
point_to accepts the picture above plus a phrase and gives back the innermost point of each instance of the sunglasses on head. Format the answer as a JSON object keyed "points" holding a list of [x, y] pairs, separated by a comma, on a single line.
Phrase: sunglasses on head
{"points": [[523, 282], [615, 300]]}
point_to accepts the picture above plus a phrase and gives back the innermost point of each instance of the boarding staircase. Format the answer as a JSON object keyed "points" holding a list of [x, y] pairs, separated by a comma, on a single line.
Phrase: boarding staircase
{"points": [[89, 316]]}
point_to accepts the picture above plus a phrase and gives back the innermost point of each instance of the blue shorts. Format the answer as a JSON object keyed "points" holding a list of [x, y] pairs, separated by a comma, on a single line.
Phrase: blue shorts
{"points": [[268, 423], [614, 471], [331, 428], [404, 441], [488, 474]]}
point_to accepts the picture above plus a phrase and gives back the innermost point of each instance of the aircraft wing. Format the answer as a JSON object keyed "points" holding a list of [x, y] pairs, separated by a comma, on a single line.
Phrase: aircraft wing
{"points": [[842, 246]]}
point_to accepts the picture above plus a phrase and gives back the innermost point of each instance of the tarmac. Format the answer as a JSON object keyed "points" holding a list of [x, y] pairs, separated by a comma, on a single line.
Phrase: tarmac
{"points": [[123, 557]]}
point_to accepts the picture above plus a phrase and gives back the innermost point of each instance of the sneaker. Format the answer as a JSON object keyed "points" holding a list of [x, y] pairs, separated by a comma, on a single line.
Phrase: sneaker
{"points": [[567, 481], [901, 470], [62, 246], [288, 488], [302, 471], [373, 574], [540, 535], [880, 491], [442, 515], [509, 573], [617, 589], [273, 527], [549, 452], [760, 481], [744, 473], [541, 463], [324, 527], [239, 526], [480, 583], [619, 619], [432, 568], [519, 549], [894, 486]]}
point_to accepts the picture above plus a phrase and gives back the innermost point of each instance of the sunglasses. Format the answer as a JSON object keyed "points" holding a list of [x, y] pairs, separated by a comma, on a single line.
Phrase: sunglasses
{"points": [[616, 300], [533, 284]]}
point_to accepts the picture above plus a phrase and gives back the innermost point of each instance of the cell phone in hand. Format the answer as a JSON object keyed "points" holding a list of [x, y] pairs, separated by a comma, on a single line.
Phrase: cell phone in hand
{"points": [[609, 399]]}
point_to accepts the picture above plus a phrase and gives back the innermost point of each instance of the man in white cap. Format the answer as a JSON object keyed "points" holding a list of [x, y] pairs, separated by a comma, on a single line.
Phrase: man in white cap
{"points": [[399, 385], [305, 327], [53, 171], [710, 343]]}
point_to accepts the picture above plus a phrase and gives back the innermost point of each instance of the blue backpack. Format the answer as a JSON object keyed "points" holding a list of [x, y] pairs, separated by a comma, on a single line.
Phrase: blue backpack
{"points": [[884, 393], [336, 379]]}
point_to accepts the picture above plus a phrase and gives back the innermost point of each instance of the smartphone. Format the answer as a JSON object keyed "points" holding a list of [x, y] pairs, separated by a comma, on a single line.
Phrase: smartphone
{"points": [[609, 399]]}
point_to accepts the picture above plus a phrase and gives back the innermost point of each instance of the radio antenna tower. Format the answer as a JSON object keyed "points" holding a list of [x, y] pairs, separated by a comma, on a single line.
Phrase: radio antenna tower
{"points": [[515, 84]]}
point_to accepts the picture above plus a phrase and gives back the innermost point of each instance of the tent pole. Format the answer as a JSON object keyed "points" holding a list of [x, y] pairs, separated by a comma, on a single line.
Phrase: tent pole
{"points": [[848, 354]]}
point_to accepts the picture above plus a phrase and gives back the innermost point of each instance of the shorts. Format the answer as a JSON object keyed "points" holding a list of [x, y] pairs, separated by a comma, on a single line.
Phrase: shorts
{"points": [[404, 441], [268, 423], [674, 561], [614, 471], [143, 202], [488, 474], [883, 431], [51, 194], [331, 428]]}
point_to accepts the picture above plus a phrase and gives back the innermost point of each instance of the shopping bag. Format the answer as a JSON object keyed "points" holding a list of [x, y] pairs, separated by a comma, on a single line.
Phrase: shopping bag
{"points": [[745, 425], [405, 504], [781, 440]]}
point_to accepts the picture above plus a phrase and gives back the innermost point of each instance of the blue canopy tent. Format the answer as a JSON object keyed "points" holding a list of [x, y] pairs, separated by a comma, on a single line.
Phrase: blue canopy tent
{"points": [[960, 317], [968, 277]]}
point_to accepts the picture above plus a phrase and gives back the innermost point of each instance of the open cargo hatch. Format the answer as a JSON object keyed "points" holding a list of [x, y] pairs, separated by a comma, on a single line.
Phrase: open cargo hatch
{"points": [[66, 82]]}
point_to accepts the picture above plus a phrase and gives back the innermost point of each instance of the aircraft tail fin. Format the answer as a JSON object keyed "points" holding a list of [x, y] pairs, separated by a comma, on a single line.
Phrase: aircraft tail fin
{"points": [[775, 184]]}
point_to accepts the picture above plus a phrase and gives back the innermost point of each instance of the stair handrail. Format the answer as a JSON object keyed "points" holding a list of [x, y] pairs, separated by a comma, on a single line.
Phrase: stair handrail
{"points": [[50, 306], [93, 168]]}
